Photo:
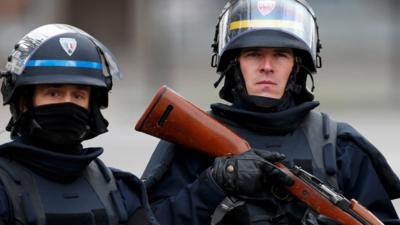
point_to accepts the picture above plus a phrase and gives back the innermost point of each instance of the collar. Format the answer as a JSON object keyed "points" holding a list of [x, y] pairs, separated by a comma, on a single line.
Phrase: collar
{"points": [[50, 164], [269, 122]]}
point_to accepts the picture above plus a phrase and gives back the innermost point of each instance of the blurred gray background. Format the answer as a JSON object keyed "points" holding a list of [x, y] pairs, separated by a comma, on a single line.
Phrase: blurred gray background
{"points": [[168, 42]]}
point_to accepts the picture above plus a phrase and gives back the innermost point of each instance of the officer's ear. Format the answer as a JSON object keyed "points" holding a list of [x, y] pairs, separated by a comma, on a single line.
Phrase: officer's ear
{"points": [[22, 104], [25, 99]]}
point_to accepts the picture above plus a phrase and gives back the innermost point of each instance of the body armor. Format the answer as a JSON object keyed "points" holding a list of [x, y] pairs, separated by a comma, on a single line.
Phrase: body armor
{"points": [[92, 199]]}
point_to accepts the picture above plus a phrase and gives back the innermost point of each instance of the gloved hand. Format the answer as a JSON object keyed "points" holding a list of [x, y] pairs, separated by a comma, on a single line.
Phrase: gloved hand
{"points": [[249, 172]]}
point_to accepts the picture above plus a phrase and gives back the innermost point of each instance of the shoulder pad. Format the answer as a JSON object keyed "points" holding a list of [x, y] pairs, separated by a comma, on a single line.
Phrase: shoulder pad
{"points": [[388, 177], [159, 163], [124, 175], [322, 144], [138, 186]]}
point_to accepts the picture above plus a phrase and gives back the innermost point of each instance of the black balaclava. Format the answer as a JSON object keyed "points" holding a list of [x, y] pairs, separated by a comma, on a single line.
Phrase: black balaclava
{"points": [[88, 123], [57, 127]]}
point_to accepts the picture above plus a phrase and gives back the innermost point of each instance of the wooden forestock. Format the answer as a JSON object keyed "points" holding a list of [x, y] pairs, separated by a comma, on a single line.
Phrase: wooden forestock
{"points": [[309, 195], [172, 118]]}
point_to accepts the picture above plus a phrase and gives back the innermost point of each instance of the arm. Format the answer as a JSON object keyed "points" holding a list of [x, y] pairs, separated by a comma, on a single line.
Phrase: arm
{"points": [[185, 193], [133, 207], [359, 180]]}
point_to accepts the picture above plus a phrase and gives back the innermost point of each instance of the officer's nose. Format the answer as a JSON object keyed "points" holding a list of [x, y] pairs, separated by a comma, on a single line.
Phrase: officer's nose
{"points": [[266, 64], [68, 98]]}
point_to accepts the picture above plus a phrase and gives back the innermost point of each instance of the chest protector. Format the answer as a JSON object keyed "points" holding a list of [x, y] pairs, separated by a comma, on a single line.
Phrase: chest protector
{"points": [[92, 199], [311, 146]]}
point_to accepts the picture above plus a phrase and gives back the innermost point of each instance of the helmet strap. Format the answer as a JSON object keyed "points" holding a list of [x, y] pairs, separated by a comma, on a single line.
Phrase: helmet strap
{"points": [[22, 99], [308, 73], [233, 63]]}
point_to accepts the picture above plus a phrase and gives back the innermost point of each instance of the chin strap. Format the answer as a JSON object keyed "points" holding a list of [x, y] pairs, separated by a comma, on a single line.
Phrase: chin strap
{"points": [[15, 123], [292, 86], [223, 73], [310, 75]]}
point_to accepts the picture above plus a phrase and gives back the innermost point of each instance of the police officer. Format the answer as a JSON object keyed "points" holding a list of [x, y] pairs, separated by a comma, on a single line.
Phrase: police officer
{"points": [[56, 82], [265, 50]]}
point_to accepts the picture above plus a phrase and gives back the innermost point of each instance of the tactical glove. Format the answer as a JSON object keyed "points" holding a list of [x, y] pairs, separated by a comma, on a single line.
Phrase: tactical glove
{"points": [[248, 173]]}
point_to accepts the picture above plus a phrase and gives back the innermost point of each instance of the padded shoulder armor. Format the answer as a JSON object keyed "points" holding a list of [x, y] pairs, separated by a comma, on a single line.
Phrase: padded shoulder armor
{"points": [[144, 215], [322, 144], [388, 177], [160, 162]]}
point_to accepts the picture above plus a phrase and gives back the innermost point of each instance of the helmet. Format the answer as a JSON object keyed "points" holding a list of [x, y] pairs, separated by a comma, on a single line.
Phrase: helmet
{"points": [[59, 54], [267, 23]]}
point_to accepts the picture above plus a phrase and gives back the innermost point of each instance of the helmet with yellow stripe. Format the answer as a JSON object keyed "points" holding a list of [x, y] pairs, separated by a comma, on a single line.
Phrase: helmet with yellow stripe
{"points": [[266, 23]]}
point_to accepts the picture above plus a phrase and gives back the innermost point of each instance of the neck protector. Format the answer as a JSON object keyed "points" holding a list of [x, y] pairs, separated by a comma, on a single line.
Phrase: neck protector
{"points": [[52, 165], [269, 122]]}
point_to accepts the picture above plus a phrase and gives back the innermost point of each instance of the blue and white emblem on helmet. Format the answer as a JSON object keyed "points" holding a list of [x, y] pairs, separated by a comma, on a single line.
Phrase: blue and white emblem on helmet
{"points": [[69, 45]]}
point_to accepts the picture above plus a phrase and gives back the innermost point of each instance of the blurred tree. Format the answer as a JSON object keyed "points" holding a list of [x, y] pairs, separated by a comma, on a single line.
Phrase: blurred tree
{"points": [[13, 7], [110, 20]]}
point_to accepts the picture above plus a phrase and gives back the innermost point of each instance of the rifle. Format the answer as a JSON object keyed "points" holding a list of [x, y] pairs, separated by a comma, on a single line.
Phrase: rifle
{"points": [[172, 118]]}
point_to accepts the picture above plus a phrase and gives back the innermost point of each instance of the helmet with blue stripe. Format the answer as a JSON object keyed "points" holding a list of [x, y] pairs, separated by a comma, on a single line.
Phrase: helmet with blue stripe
{"points": [[59, 54]]}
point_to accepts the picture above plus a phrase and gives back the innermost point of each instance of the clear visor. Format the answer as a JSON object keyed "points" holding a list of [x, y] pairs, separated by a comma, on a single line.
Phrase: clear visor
{"points": [[288, 16], [33, 40]]}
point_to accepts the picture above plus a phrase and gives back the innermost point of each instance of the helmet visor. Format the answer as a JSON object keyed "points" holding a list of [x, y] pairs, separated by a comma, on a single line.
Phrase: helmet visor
{"points": [[288, 16], [33, 40]]}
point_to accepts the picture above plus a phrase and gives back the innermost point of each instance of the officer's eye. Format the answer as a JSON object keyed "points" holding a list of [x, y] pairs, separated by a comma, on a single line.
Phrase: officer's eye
{"points": [[52, 93], [282, 54], [285, 53], [252, 54], [81, 95]]}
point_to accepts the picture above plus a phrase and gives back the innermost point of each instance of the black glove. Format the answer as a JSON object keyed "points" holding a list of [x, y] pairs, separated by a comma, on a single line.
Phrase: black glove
{"points": [[248, 173]]}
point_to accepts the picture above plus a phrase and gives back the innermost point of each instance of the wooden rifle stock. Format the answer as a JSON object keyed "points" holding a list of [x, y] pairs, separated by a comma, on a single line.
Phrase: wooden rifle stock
{"points": [[172, 118]]}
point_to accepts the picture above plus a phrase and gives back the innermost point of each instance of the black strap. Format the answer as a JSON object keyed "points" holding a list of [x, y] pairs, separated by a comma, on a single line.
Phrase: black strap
{"points": [[228, 204], [106, 190], [321, 134], [103, 169]]}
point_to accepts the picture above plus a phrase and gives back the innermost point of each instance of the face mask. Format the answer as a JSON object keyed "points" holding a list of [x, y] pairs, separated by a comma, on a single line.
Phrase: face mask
{"points": [[59, 124]]}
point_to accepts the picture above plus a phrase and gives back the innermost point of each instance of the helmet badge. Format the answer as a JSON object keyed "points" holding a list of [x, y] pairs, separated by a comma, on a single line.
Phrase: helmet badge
{"points": [[265, 7], [69, 45]]}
